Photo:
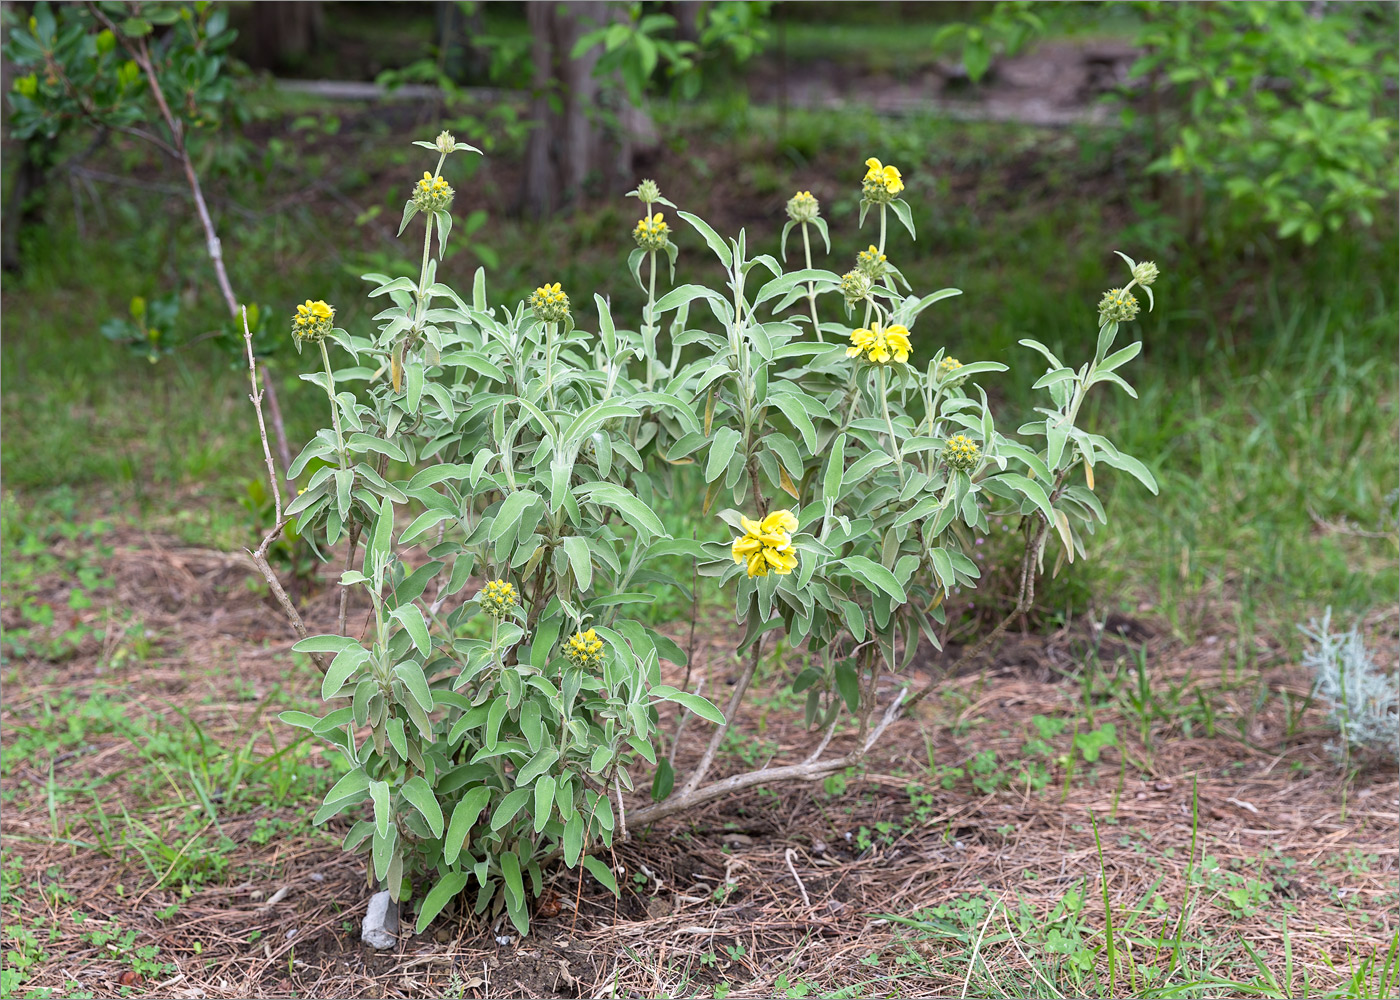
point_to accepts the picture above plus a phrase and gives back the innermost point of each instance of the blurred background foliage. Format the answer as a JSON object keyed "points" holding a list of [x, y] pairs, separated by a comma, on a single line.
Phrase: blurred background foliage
{"points": [[1249, 147]]}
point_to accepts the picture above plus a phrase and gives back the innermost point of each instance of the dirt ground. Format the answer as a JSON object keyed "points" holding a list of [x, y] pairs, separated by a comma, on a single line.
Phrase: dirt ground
{"points": [[767, 892]]}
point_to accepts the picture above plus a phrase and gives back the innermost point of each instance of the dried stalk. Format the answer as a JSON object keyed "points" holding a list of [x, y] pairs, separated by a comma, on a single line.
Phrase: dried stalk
{"points": [[259, 555]]}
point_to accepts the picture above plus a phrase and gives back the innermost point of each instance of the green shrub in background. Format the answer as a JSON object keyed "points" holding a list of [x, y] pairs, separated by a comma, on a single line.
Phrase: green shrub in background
{"points": [[1283, 111], [497, 476]]}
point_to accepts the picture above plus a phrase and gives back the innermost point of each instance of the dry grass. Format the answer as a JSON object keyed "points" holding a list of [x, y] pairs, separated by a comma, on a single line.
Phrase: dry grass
{"points": [[775, 893]]}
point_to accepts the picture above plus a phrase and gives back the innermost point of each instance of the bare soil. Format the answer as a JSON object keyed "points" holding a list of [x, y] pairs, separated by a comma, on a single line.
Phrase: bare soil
{"points": [[782, 872]]}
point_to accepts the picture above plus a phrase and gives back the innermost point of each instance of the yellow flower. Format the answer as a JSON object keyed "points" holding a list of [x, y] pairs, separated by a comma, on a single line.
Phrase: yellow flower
{"points": [[767, 544], [584, 649], [1118, 305], [871, 262], [432, 194], [879, 344], [550, 302], [960, 452], [312, 321], [882, 182], [497, 598], [652, 234]]}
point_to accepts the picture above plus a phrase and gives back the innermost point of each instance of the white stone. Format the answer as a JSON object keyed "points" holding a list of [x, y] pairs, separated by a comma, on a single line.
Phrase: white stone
{"points": [[381, 923]]}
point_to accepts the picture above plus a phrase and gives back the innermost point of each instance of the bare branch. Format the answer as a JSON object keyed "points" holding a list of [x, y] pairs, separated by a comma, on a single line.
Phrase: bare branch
{"points": [[730, 714]]}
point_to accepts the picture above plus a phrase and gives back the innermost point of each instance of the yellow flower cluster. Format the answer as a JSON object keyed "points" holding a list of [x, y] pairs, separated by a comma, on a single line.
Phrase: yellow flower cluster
{"points": [[584, 649], [960, 452], [652, 234], [497, 598], [432, 194], [880, 343], [767, 544], [882, 183], [1118, 305], [312, 321], [803, 207], [871, 261], [550, 302]]}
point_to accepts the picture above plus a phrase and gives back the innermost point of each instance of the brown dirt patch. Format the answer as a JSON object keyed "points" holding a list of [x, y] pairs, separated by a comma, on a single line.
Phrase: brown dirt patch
{"points": [[798, 881]]}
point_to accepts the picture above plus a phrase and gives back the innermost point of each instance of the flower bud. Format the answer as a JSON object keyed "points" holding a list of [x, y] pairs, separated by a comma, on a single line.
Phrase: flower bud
{"points": [[960, 453], [1117, 306], [871, 262], [649, 192], [802, 207], [1145, 273], [946, 372], [550, 303], [312, 321], [855, 286], [652, 234], [497, 599], [445, 142], [432, 194]]}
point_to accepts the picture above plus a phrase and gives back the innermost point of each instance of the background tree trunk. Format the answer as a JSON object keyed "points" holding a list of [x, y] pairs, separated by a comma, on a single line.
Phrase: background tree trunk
{"points": [[584, 136], [283, 32]]}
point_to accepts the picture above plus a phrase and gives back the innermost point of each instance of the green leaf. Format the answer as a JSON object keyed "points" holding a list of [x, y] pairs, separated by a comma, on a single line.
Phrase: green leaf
{"points": [[874, 575], [510, 805], [494, 715], [508, 514], [510, 873], [384, 850], [633, 511], [544, 801], [537, 765], [573, 838], [412, 620], [581, 559], [439, 896], [351, 786], [602, 873], [905, 215], [397, 737], [716, 244], [325, 644], [301, 720], [379, 792], [664, 781], [835, 465], [341, 669], [721, 451], [421, 797], [463, 817], [1133, 467], [1031, 490], [697, 704], [848, 684], [412, 676]]}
